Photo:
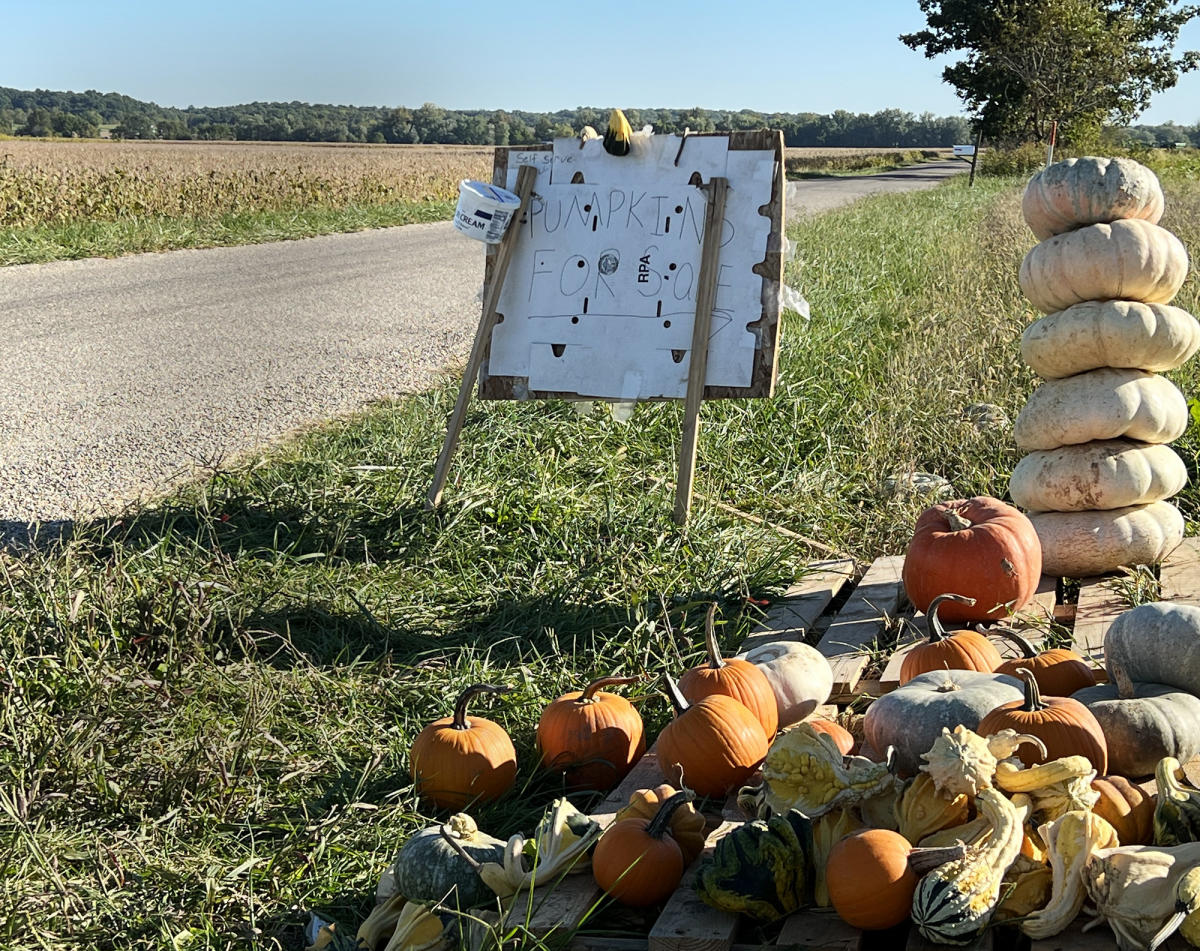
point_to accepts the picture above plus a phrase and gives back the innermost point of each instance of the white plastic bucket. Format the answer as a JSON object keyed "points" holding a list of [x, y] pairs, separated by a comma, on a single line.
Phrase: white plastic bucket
{"points": [[484, 210]]}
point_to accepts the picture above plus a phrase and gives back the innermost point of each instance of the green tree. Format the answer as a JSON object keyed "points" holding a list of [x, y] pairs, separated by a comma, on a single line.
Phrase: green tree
{"points": [[1029, 63]]}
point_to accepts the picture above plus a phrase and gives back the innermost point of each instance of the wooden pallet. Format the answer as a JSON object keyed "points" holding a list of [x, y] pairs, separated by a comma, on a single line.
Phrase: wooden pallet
{"points": [[848, 616]]}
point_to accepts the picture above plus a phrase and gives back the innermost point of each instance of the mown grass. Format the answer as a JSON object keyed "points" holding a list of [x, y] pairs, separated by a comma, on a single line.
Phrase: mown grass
{"points": [[206, 704]]}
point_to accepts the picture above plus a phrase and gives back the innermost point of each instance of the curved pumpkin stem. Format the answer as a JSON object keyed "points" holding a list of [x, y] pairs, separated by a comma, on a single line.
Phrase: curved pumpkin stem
{"points": [[1033, 696], [657, 827], [956, 521], [678, 700], [589, 692], [460, 707], [926, 860], [1125, 688], [715, 660], [936, 631], [446, 831], [1028, 651]]}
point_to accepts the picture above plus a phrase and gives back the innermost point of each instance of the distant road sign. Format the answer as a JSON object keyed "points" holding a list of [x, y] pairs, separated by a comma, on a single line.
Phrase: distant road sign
{"points": [[964, 151]]}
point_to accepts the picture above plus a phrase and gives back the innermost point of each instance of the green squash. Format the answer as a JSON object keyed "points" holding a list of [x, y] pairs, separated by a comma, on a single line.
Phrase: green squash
{"points": [[762, 869], [1177, 812], [429, 868]]}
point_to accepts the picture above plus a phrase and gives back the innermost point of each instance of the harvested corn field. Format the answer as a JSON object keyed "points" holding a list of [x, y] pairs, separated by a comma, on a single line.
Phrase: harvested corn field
{"points": [[56, 182]]}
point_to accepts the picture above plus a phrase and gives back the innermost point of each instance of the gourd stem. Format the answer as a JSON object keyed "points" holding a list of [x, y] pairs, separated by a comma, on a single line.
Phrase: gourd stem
{"points": [[1033, 696], [1125, 688], [589, 692], [678, 701], [956, 522], [460, 708], [657, 827], [444, 831], [926, 860], [1028, 651], [715, 660], [936, 631]]}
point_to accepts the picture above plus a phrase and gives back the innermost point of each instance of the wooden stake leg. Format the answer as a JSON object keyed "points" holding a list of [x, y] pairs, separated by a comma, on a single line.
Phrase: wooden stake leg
{"points": [[706, 297], [487, 322]]}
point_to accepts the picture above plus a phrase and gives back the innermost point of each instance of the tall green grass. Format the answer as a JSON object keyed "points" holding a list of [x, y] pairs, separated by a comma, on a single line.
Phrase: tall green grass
{"points": [[206, 704]]}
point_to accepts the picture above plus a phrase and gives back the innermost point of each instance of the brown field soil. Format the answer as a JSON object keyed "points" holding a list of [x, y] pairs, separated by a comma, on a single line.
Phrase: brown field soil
{"points": [[58, 181]]}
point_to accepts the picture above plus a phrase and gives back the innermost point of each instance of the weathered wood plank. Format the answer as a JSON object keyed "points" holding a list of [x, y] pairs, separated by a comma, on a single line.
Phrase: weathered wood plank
{"points": [[1098, 605], [1180, 576], [792, 615], [818, 931], [861, 621], [562, 906], [686, 923]]}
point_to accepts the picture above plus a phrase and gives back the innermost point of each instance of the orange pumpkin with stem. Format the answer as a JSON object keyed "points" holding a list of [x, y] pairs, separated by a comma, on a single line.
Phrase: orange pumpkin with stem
{"points": [[688, 827], [1064, 725], [1059, 671], [637, 861], [740, 679], [712, 745], [962, 650], [593, 736], [456, 760], [982, 547]]}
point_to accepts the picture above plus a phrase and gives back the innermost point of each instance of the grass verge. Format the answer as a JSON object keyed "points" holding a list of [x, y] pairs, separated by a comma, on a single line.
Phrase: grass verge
{"points": [[206, 704], [131, 235]]}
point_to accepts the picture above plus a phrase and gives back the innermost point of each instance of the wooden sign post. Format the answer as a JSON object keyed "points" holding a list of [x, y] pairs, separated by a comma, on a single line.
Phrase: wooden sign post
{"points": [[650, 276]]}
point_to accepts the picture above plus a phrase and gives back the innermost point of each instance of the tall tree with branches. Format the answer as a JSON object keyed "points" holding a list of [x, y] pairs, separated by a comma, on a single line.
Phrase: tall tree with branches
{"points": [[1082, 63]]}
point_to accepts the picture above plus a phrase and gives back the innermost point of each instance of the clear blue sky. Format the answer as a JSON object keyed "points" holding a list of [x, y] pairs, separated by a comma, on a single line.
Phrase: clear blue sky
{"points": [[773, 55]]}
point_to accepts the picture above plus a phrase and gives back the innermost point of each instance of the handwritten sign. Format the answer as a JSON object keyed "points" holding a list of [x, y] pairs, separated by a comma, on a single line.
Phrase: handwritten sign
{"points": [[600, 294]]}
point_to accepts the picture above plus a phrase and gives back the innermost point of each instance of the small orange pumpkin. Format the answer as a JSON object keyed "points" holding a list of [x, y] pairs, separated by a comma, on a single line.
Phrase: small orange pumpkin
{"points": [[872, 874], [962, 650], [592, 736], [1059, 671], [688, 827], [712, 745], [457, 761], [1066, 726], [841, 736], [740, 679], [1127, 808], [637, 861], [982, 547]]}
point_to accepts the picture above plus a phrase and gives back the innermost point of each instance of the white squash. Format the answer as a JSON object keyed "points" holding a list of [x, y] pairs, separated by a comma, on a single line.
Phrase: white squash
{"points": [[799, 674], [1102, 404], [1129, 259], [1110, 333], [1079, 544], [1090, 190], [1108, 474]]}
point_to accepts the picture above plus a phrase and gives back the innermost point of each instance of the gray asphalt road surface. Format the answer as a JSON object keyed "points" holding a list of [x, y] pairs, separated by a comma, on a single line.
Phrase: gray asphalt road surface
{"points": [[122, 376]]}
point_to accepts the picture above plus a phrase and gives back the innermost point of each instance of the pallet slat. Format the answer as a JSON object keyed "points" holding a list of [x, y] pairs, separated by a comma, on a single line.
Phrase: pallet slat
{"points": [[686, 923], [1098, 604], [861, 621], [792, 615], [818, 931], [1180, 578]]}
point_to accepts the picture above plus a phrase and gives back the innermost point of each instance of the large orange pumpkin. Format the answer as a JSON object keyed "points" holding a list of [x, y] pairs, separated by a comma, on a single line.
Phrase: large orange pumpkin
{"points": [[740, 679], [456, 761], [637, 861], [980, 547], [1064, 725], [869, 880], [712, 745], [593, 736], [962, 650]]}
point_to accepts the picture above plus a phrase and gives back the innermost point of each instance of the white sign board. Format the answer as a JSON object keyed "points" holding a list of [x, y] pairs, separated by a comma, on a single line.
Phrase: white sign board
{"points": [[600, 294]]}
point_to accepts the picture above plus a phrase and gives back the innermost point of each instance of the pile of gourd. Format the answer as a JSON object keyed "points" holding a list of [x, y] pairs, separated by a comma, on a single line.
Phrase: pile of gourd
{"points": [[1099, 472]]}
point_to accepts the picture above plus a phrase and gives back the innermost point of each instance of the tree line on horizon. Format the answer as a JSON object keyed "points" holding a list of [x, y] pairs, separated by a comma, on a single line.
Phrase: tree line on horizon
{"points": [[45, 112]]}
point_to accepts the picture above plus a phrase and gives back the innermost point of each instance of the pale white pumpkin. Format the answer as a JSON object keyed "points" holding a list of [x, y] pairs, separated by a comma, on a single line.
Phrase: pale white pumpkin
{"points": [[1108, 474], [1129, 259], [1110, 333], [799, 675], [1102, 404], [1090, 190], [1079, 544]]}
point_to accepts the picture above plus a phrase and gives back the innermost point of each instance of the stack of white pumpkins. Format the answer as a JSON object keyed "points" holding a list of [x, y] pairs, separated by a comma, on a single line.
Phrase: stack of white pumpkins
{"points": [[1099, 472]]}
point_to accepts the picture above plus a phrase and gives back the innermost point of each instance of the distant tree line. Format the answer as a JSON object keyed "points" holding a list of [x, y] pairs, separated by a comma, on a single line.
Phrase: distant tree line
{"points": [[44, 112]]}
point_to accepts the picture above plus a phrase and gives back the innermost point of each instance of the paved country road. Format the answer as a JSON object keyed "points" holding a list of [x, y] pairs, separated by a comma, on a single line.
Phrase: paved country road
{"points": [[122, 376]]}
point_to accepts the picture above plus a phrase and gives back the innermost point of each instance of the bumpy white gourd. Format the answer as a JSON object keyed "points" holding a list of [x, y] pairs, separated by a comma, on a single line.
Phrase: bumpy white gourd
{"points": [[1107, 474], [1110, 333], [1079, 544], [1090, 190]]}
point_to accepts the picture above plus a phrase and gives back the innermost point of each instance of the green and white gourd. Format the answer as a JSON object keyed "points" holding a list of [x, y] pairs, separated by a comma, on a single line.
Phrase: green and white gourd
{"points": [[1099, 472]]}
